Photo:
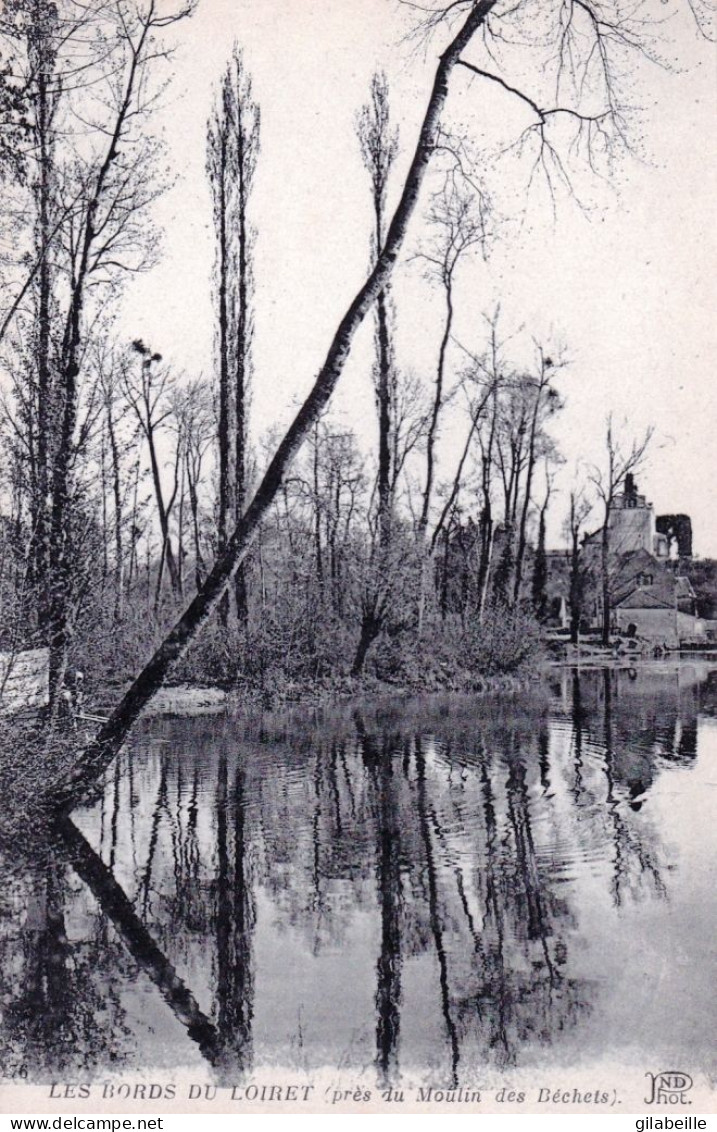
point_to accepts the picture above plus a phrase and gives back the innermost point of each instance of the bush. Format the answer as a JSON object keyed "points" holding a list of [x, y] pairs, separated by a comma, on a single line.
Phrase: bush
{"points": [[299, 641], [505, 641], [454, 655]]}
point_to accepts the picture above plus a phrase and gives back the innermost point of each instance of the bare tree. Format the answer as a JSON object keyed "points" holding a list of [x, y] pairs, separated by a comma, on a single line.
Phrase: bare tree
{"points": [[103, 238], [540, 565], [492, 366], [108, 374], [545, 402], [480, 393], [409, 424], [198, 431], [89, 71], [148, 389], [378, 142], [457, 222], [448, 521], [41, 32]]}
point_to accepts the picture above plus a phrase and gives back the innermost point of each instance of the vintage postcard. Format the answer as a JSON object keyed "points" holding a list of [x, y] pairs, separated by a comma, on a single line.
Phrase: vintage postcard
{"points": [[358, 557]]}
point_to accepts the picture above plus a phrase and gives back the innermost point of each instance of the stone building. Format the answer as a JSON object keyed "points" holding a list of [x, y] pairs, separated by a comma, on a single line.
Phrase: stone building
{"points": [[634, 526], [650, 601]]}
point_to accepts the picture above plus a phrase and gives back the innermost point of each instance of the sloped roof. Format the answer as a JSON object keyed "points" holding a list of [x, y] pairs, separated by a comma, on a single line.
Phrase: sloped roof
{"points": [[648, 597], [637, 558], [631, 568]]}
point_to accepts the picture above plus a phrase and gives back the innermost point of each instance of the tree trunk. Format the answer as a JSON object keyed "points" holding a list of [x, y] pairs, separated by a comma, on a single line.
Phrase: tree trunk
{"points": [[194, 509], [227, 405], [370, 629], [317, 514], [486, 518], [437, 403], [105, 524], [504, 568], [134, 535], [163, 513], [605, 578], [385, 502], [180, 527], [526, 499], [575, 588], [444, 574], [242, 370], [486, 553], [540, 572], [117, 498], [46, 422]]}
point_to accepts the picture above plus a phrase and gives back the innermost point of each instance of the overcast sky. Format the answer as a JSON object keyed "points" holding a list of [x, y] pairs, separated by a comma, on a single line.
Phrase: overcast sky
{"points": [[627, 286]]}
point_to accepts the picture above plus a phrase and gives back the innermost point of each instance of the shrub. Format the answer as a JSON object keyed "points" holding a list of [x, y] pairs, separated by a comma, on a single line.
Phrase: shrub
{"points": [[504, 641]]}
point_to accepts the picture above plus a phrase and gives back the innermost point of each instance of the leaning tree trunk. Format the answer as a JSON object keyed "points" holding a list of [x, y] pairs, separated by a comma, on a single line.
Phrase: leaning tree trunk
{"points": [[111, 736], [385, 502], [117, 501]]}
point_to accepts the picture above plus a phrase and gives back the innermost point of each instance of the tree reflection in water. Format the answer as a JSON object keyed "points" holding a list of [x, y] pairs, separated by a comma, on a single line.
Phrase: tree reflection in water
{"points": [[462, 835], [381, 760], [59, 1005], [234, 924]]}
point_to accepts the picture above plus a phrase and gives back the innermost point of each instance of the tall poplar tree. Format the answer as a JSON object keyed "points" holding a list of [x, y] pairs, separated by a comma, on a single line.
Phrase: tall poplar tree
{"points": [[233, 139]]}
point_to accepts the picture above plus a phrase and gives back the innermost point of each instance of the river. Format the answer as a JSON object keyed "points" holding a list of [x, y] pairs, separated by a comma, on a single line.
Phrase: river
{"points": [[441, 886]]}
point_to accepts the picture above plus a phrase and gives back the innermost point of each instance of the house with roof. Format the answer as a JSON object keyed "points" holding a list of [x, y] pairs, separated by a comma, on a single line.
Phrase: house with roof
{"points": [[651, 601], [650, 597]]}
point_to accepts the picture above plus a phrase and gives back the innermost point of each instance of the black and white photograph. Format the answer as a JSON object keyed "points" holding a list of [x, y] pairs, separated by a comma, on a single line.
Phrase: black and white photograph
{"points": [[358, 557]]}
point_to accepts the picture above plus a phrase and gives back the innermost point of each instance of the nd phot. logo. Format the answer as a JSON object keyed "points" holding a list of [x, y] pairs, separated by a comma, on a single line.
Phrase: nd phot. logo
{"points": [[669, 1088]]}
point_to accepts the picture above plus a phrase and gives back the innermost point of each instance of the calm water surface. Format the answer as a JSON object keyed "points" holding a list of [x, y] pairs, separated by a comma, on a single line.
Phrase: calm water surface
{"points": [[428, 885]]}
